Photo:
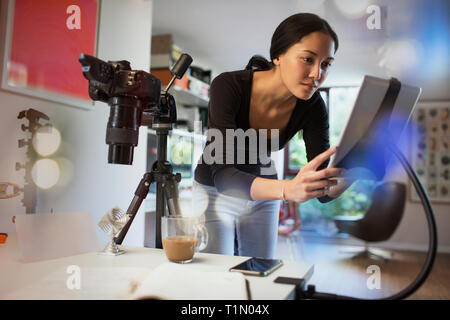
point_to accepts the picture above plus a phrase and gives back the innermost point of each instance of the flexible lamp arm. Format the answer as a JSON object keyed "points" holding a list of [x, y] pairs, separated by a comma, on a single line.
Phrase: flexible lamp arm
{"points": [[432, 230], [309, 293]]}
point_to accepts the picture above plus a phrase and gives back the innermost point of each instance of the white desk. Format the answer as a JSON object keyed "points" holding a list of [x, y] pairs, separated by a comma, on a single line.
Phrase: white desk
{"points": [[114, 277]]}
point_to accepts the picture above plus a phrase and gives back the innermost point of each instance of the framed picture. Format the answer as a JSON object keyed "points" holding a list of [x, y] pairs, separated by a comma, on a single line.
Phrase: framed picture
{"points": [[430, 150], [43, 41]]}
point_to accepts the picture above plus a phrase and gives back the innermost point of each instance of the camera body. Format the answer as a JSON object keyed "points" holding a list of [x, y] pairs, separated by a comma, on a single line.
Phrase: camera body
{"points": [[115, 78], [128, 93]]}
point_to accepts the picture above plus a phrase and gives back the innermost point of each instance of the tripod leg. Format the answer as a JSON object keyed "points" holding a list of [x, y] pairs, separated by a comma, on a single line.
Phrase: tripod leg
{"points": [[171, 193], [160, 212], [139, 196]]}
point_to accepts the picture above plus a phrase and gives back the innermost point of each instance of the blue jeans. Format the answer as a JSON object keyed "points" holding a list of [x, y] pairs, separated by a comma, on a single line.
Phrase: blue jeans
{"points": [[237, 226]]}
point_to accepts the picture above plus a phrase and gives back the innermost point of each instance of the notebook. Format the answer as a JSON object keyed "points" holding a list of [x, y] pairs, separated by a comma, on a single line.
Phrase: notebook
{"points": [[171, 281]]}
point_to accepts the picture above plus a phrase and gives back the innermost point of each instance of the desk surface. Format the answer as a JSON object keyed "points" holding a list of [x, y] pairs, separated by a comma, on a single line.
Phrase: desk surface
{"points": [[116, 277]]}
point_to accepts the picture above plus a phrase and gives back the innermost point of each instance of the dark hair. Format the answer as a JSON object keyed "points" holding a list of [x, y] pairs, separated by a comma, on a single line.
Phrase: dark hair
{"points": [[288, 33]]}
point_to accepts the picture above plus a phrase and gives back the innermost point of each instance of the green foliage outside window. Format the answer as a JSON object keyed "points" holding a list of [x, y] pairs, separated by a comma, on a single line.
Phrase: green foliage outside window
{"points": [[180, 154]]}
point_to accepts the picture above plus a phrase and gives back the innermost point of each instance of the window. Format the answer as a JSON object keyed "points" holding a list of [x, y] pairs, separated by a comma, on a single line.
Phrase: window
{"points": [[295, 151], [355, 200]]}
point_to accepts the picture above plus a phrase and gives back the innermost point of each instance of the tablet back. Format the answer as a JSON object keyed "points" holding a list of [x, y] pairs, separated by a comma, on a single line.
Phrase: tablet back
{"points": [[371, 94]]}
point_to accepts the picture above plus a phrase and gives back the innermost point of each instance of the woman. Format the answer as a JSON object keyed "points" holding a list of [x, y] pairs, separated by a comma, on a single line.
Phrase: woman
{"points": [[242, 198]]}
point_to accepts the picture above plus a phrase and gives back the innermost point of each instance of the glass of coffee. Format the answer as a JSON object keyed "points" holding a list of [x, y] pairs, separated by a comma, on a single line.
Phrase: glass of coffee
{"points": [[182, 237]]}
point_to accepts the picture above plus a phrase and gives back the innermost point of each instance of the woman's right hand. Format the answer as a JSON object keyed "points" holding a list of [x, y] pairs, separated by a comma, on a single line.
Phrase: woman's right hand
{"points": [[310, 183]]}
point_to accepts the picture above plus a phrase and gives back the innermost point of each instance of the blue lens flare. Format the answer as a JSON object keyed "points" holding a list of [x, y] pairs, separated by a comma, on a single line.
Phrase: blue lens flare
{"points": [[370, 157], [433, 25]]}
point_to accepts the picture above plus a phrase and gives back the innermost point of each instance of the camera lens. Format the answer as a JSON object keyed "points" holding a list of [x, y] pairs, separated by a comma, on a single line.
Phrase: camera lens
{"points": [[120, 154], [122, 131]]}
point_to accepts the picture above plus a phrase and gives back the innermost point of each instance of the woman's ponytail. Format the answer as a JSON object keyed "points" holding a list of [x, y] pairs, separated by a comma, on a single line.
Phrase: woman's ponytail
{"points": [[259, 63]]}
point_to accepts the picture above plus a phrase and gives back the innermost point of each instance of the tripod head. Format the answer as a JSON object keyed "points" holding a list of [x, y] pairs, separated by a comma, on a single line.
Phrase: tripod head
{"points": [[164, 114]]}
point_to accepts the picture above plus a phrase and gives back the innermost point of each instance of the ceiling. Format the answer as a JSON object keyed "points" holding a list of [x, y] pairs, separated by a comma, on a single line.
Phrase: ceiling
{"points": [[411, 43]]}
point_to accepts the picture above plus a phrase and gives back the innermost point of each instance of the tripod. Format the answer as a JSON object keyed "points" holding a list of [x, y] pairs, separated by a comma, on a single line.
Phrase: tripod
{"points": [[162, 119], [166, 189]]}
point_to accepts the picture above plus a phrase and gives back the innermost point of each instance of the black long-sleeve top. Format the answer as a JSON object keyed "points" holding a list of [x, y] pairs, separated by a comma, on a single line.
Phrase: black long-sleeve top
{"points": [[229, 107]]}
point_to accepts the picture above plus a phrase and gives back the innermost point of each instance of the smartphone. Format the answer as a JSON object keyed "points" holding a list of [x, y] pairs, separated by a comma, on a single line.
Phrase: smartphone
{"points": [[258, 266]]}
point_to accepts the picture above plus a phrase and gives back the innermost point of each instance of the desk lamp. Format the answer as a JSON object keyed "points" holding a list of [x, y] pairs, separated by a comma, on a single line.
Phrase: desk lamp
{"points": [[377, 131]]}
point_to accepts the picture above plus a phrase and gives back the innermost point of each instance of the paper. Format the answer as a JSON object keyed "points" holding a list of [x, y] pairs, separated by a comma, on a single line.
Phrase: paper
{"points": [[94, 283], [44, 236], [178, 282]]}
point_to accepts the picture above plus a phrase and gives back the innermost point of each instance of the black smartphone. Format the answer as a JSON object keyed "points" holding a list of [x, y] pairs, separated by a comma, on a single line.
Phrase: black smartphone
{"points": [[258, 266]]}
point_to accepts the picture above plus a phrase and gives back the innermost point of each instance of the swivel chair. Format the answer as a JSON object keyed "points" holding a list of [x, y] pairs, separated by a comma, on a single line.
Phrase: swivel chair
{"points": [[381, 219]]}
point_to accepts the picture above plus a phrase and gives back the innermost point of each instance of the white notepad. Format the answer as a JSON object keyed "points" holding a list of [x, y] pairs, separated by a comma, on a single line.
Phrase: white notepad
{"points": [[179, 282]]}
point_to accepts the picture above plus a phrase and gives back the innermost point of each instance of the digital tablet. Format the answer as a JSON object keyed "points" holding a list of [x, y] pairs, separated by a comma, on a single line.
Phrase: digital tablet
{"points": [[353, 151]]}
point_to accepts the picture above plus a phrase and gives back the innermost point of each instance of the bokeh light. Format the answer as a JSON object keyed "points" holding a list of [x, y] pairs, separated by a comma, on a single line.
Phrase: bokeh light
{"points": [[46, 140], [400, 57], [197, 205], [352, 9], [45, 173], [66, 169]]}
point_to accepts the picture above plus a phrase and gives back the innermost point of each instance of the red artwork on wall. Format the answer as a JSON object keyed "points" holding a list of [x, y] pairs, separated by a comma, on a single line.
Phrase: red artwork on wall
{"points": [[46, 38]]}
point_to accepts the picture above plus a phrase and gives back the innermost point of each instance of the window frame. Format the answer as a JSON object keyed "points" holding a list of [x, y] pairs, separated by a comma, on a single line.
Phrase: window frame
{"points": [[291, 172]]}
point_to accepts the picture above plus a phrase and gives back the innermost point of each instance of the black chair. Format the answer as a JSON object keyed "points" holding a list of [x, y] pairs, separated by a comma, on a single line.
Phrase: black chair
{"points": [[381, 219]]}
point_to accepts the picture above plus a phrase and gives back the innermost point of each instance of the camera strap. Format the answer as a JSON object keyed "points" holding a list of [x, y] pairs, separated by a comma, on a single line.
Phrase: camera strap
{"points": [[387, 105]]}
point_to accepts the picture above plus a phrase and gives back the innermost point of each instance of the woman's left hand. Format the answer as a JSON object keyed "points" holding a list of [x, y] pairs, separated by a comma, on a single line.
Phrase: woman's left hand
{"points": [[343, 184]]}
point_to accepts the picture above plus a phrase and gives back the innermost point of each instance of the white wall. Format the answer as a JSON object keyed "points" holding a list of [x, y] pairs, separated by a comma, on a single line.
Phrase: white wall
{"points": [[95, 186]]}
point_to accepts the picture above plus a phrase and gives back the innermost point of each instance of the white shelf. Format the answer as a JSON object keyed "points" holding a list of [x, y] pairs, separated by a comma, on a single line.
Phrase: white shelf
{"points": [[183, 133], [186, 97]]}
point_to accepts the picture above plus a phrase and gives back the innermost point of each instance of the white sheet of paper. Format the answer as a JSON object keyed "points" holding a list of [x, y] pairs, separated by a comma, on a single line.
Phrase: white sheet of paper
{"points": [[95, 283], [44, 236], [179, 282]]}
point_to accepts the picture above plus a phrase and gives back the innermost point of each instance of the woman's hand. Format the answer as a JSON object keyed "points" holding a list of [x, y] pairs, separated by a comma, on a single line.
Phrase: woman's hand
{"points": [[310, 183], [343, 184]]}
